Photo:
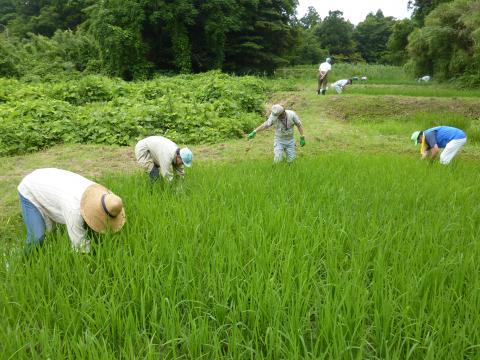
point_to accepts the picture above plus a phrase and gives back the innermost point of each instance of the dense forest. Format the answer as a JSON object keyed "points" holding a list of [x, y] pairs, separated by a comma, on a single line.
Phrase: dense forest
{"points": [[134, 39]]}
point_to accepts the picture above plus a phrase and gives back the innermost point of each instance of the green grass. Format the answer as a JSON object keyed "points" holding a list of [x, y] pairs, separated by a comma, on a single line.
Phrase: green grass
{"points": [[358, 250], [338, 256], [422, 90], [376, 74]]}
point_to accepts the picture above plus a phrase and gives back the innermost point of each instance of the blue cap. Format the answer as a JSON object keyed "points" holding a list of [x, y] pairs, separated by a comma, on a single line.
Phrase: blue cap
{"points": [[187, 156]]}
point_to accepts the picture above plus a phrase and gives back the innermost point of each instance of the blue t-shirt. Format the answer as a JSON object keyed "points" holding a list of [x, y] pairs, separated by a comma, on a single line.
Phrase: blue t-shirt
{"points": [[442, 135]]}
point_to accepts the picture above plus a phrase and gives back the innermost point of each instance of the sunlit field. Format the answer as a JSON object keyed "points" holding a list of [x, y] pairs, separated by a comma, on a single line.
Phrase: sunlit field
{"points": [[335, 256]]}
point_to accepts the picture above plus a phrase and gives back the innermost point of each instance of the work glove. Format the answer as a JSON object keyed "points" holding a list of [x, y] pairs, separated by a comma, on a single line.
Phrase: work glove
{"points": [[252, 135], [302, 141]]}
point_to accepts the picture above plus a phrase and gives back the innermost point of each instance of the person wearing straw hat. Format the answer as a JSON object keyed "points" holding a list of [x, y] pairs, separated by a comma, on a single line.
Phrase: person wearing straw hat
{"points": [[432, 140], [323, 71], [159, 155], [54, 196], [284, 142]]}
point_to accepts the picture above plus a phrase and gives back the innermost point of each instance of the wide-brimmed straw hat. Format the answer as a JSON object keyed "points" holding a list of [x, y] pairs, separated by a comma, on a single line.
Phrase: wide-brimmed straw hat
{"points": [[101, 209]]}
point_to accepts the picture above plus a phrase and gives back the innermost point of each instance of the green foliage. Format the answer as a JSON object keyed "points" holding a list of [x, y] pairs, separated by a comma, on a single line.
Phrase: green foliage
{"points": [[64, 55], [33, 125], [191, 109], [397, 42], [421, 8], [117, 26], [264, 37], [372, 35], [447, 46], [336, 34], [45, 17], [310, 19], [9, 59]]}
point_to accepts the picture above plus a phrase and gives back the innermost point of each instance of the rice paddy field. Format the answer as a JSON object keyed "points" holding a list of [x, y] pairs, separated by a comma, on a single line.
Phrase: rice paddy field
{"points": [[357, 250]]}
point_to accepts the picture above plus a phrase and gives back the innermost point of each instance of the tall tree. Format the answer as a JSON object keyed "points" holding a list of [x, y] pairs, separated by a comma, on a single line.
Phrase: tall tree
{"points": [[310, 19], [117, 26], [448, 45], [263, 38], [372, 35], [215, 19], [421, 8], [397, 43], [44, 17], [336, 34], [7, 12]]}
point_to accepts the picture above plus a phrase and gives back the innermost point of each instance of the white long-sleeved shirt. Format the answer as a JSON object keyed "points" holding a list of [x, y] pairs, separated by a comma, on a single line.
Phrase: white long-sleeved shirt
{"points": [[283, 129], [57, 194], [162, 152]]}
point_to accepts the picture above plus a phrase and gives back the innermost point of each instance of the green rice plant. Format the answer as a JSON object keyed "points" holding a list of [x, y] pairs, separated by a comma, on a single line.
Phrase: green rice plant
{"points": [[334, 256]]}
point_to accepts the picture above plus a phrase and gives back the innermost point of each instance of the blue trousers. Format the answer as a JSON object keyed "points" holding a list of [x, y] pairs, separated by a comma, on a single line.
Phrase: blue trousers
{"points": [[154, 173], [34, 222]]}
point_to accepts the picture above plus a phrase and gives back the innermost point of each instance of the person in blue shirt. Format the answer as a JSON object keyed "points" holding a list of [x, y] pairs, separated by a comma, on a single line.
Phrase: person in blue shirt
{"points": [[441, 137]]}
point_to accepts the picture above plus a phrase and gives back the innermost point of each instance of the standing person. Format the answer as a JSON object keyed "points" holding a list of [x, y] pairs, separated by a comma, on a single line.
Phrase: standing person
{"points": [[157, 154], [284, 140], [323, 71], [50, 196], [340, 85], [441, 137]]}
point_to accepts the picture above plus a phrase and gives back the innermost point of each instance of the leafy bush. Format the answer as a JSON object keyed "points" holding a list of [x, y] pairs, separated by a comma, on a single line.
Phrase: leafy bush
{"points": [[203, 108], [34, 125]]}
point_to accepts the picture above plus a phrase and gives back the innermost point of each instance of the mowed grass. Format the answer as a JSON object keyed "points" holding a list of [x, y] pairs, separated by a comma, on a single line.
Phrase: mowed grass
{"points": [[421, 90], [336, 256]]}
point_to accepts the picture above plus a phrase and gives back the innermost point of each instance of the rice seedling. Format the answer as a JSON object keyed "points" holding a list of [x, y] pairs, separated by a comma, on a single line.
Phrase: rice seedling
{"points": [[336, 256]]}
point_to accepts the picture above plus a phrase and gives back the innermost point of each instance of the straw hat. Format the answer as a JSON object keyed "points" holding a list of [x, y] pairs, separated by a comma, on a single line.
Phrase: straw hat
{"points": [[101, 209]]}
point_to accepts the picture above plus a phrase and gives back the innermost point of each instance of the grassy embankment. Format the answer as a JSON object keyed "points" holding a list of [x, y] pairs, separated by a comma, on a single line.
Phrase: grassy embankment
{"points": [[358, 250]]}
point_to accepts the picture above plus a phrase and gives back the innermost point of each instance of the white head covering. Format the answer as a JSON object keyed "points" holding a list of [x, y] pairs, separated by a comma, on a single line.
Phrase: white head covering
{"points": [[277, 110]]}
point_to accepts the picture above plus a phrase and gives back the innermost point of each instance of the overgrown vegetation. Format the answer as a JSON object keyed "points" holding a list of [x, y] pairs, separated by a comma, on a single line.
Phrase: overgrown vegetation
{"points": [[192, 109], [363, 265], [448, 45], [135, 39]]}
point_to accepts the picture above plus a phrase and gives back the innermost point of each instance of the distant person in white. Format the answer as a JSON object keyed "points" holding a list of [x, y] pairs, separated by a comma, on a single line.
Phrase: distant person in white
{"points": [[157, 154], [425, 78], [50, 196], [323, 71], [340, 85]]}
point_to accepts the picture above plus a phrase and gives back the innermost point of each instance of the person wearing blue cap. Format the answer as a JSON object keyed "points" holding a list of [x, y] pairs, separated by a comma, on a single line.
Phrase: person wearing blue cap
{"points": [[448, 138], [161, 156]]}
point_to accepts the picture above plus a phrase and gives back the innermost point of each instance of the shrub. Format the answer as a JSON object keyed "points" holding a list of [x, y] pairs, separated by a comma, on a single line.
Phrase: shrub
{"points": [[203, 108]]}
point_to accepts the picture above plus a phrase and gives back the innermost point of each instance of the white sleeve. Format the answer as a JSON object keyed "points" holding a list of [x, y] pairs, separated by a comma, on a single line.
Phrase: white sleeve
{"points": [[76, 232], [269, 122], [296, 119], [166, 170]]}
